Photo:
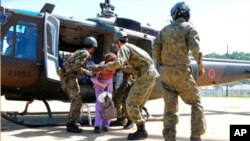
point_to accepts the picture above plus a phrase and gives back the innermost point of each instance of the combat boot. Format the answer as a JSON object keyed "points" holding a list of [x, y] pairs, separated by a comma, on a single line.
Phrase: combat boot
{"points": [[73, 128], [169, 135], [118, 122], [105, 129], [196, 139], [140, 134], [98, 130], [129, 125]]}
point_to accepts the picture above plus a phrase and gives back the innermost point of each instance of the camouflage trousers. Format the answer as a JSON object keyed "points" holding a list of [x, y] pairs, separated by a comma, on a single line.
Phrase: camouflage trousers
{"points": [[139, 94], [119, 98], [178, 81], [71, 86]]}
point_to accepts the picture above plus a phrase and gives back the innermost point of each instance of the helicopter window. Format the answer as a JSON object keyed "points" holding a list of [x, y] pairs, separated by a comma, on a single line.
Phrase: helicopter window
{"points": [[9, 42], [21, 39], [51, 46], [27, 36]]}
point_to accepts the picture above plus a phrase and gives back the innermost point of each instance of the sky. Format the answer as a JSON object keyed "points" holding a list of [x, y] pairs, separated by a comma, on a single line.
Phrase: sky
{"points": [[222, 24]]}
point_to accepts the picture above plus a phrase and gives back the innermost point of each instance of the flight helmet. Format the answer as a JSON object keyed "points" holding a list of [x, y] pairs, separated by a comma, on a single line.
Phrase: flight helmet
{"points": [[90, 41], [180, 9], [120, 35]]}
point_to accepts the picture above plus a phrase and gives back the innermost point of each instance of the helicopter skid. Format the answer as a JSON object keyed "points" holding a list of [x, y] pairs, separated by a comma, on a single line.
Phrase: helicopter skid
{"points": [[28, 119]]}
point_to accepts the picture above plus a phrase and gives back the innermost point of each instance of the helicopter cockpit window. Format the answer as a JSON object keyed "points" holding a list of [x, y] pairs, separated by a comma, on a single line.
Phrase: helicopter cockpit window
{"points": [[26, 47], [20, 40]]}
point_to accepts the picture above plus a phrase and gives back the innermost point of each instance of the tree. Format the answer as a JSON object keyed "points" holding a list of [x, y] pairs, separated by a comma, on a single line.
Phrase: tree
{"points": [[234, 56]]}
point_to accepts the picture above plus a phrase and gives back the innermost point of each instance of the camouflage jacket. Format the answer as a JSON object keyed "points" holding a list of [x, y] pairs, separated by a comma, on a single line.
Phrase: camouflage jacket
{"points": [[173, 43], [131, 55], [76, 62]]}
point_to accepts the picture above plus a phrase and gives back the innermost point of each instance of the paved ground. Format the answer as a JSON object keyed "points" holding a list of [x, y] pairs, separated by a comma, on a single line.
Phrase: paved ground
{"points": [[220, 113]]}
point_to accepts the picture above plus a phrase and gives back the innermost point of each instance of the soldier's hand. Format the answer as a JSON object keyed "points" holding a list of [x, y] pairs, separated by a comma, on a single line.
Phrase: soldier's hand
{"points": [[127, 69], [96, 68], [201, 70], [89, 73], [60, 73]]}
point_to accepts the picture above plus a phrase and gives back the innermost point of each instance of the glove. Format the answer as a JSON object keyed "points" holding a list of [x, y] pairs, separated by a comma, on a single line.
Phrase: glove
{"points": [[96, 68], [201, 70]]}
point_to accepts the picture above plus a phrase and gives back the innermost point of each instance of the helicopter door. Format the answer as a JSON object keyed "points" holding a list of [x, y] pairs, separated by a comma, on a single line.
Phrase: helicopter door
{"points": [[51, 36]]}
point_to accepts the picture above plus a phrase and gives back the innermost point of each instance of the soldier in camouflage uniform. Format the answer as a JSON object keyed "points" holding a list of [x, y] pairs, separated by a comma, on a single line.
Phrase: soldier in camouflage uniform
{"points": [[119, 98], [121, 93], [140, 61], [73, 67], [170, 49]]}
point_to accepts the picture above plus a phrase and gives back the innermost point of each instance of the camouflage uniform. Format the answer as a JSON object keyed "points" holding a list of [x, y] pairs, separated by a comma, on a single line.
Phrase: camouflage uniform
{"points": [[171, 49], [141, 62], [69, 81], [130, 81], [121, 94]]}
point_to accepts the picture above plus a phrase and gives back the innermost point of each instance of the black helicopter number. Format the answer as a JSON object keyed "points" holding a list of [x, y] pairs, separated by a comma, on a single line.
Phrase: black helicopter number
{"points": [[18, 73]]}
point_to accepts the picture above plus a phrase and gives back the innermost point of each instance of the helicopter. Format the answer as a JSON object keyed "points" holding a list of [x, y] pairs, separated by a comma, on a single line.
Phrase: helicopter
{"points": [[40, 39]]}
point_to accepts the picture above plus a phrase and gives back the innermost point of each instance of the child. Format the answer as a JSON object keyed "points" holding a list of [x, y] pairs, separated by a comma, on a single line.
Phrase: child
{"points": [[103, 81]]}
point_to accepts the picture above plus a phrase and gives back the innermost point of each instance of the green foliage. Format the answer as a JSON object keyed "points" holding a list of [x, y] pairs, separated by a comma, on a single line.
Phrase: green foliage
{"points": [[245, 81], [234, 56], [214, 55]]}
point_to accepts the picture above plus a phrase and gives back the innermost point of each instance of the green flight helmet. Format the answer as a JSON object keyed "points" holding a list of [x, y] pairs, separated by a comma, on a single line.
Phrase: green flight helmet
{"points": [[180, 9], [90, 41], [120, 35]]}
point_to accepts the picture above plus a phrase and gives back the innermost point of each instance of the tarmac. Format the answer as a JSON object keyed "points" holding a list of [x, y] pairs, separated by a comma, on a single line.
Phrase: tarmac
{"points": [[220, 113]]}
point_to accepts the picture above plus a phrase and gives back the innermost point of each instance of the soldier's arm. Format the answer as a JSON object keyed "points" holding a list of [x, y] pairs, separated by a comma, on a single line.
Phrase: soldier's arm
{"points": [[80, 60], [193, 43], [85, 71], [198, 58], [157, 47], [194, 46], [121, 60], [127, 69]]}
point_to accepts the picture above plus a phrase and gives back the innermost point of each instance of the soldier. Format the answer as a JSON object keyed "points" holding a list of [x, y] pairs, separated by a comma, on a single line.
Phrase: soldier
{"points": [[73, 67], [9, 40], [119, 99], [140, 61], [170, 49], [121, 94]]}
